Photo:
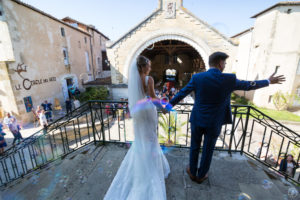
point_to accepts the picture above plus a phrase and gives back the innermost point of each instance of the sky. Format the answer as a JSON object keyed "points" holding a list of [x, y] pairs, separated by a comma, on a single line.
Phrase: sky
{"points": [[116, 17]]}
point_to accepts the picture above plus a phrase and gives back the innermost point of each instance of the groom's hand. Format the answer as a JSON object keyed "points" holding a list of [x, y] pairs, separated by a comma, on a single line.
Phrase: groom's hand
{"points": [[276, 79]]}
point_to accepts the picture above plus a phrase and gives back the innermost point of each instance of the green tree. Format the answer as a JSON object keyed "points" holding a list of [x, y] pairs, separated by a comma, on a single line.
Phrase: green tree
{"points": [[94, 93]]}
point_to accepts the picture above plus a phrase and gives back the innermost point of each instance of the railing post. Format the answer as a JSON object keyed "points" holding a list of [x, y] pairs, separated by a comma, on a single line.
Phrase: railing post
{"points": [[232, 129], [93, 122], [102, 124], [245, 130]]}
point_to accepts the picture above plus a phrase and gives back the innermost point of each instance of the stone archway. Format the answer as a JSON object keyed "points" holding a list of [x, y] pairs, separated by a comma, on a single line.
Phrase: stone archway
{"points": [[202, 49], [173, 56]]}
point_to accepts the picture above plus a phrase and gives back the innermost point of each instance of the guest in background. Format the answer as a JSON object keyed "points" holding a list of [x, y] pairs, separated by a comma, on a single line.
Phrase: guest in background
{"points": [[68, 105], [2, 140], [113, 109], [15, 129], [173, 90], [156, 92], [8, 119], [107, 109], [48, 110], [76, 103], [38, 110], [288, 165], [43, 121], [165, 88]]}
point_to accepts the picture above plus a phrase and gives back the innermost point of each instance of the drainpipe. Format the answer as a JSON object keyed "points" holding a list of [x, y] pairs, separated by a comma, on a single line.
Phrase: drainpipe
{"points": [[92, 57]]}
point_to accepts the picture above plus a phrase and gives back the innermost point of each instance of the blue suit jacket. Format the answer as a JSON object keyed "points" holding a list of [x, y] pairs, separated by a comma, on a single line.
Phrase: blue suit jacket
{"points": [[212, 96]]}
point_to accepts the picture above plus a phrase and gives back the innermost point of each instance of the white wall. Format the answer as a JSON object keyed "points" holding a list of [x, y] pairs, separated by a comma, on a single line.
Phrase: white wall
{"points": [[118, 93], [6, 51], [275, 42]]}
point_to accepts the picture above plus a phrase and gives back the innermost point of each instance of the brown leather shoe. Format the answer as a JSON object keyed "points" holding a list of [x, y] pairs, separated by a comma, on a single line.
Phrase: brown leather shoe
{"points": [[200, 180], [192, 177]]}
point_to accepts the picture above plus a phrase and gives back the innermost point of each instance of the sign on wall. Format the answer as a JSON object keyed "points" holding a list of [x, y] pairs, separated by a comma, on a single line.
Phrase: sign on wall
{"points": [[28, 83], [170, 10], [28, 104]]}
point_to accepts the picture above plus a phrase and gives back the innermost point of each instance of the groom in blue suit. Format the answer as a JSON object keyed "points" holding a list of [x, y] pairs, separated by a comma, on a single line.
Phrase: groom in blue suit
{"points": [[212, 109]]}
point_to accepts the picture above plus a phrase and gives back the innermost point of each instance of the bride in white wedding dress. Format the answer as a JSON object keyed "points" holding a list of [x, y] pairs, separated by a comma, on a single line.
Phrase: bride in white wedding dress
{"points": [[142, 173]]}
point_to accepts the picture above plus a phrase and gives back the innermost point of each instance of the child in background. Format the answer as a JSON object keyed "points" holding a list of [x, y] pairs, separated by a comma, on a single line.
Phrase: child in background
{"points": [[2, 140]]}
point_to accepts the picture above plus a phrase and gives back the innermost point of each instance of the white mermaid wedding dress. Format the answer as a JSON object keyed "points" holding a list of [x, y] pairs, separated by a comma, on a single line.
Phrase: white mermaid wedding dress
{"points": [[142, 173]]}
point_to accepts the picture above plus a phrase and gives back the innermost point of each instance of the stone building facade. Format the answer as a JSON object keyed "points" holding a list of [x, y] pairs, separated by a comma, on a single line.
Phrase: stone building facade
{"points": [[40, 56], [170, 21], [272, 41]]}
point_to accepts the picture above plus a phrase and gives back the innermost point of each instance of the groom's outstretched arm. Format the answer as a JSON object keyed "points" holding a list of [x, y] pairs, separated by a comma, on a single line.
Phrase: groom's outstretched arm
{"points": [[183, 92], [250, 85], [253, 85]]}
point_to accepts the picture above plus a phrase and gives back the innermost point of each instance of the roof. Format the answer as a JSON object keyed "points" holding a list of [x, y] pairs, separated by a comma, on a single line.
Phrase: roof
{"points": [[156, 12], [89, 26], [209, 26], [243, 32], [134, 28], [48, 15], [283, 3]]}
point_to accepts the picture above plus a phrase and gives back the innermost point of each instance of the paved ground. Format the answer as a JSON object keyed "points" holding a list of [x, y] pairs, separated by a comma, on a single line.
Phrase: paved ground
{"points": [[29, 128], [87, 174]]}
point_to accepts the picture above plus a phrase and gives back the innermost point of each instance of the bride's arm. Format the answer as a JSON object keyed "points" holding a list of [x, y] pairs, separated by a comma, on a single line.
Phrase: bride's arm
{"points": [[151, 88], [153, 96]]}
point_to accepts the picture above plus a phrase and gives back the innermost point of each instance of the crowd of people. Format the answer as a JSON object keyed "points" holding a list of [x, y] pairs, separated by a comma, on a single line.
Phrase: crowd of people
{"points": [[166, 92], [43, 114], [118, 110]]}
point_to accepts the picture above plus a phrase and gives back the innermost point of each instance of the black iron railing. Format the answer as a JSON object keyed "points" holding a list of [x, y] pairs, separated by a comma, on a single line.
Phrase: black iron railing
{"points": [[252, 133]]}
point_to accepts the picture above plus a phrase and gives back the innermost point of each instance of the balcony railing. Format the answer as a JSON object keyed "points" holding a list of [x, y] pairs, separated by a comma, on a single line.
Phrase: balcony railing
{"points": [[252, 133]]}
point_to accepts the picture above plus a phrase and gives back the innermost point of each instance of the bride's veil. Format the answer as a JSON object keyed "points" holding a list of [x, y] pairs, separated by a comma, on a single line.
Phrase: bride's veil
{"points": [[135, 86]]}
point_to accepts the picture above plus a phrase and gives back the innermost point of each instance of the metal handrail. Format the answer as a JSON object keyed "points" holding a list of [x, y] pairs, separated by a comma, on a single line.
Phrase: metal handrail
{"points": [[90, 124]]}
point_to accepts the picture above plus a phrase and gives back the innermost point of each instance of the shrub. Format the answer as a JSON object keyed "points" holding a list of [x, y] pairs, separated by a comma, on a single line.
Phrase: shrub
{"points": [[283, 101], [240, 100], [94, 93]]}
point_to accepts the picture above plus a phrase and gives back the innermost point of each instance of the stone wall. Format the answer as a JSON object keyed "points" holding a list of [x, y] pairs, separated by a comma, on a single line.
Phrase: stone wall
{"points": [[39, 70], [273, 42], [185, 27]]}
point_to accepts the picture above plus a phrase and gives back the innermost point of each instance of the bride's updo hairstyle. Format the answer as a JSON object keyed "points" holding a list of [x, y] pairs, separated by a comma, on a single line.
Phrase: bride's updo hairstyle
{"points": [[142, 62]]}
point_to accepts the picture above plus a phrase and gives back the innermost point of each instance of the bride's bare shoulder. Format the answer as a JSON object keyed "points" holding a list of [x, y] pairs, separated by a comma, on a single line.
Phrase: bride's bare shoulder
{"points": [[150, 79]]}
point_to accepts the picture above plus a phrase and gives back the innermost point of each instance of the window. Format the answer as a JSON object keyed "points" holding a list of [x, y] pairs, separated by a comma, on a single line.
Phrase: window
{"points": [[62, 30], [171, 74], [1, 12], [298, 92], [298, 68], [289, 11], [105, 62], [87, 60], [66, 56], [79, 44], [85, 40], [99, 62], [100, 40], [270, 98]]}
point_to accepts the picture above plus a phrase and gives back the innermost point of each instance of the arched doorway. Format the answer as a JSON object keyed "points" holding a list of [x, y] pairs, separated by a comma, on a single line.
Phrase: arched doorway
{"points": [[173, 62]]}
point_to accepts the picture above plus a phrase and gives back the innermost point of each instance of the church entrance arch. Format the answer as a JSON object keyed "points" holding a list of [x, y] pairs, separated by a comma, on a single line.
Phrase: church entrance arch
{"points": [[171, 53]]}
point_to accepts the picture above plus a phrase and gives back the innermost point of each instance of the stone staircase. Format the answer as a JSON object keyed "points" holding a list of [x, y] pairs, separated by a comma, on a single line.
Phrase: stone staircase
{"points": [[88, 173]]}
